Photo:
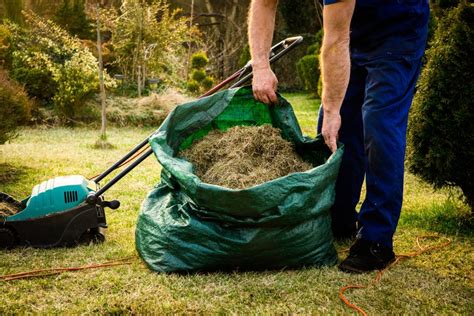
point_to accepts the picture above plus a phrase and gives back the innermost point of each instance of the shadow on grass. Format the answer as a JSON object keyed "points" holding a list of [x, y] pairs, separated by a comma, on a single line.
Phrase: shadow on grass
{"points": [[446, 218], [10, 174]]}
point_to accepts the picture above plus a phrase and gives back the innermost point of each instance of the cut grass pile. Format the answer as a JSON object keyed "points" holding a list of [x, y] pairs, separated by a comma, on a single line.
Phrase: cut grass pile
{"points": [[244, 156], [439, 282]]}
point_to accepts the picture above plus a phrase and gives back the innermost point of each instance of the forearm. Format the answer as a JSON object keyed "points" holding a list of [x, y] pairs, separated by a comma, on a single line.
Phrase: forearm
{"points": [[261, 26], [335, 58], [335, 66]]}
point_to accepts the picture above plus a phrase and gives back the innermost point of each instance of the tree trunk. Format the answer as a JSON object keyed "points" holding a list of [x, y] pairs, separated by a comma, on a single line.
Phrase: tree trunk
{"points": [[103, 134]]}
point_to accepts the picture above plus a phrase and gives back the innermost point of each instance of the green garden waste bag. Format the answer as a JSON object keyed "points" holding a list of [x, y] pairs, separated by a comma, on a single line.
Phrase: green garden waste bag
{"points": [[187, 225]]}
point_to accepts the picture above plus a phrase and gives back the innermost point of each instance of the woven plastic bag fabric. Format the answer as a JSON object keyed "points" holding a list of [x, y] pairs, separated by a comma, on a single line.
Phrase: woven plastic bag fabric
{"points": [[186, 225]]}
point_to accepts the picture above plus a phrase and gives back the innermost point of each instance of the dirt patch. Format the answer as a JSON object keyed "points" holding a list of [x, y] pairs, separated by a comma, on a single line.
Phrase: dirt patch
{"points": [[8, 209], [244, 156]]}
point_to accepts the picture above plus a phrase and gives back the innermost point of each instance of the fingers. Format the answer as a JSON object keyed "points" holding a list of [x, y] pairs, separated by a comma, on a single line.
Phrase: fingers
{"points": [[331, 142], [264, 86], [267, 96]]}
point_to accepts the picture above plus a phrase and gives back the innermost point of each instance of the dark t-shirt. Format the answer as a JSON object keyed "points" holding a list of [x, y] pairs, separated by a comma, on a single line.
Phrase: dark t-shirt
{"points": [[388, 27]]}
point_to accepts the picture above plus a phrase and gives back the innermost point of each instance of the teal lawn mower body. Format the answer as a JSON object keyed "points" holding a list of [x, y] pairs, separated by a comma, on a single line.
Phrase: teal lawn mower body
{"points": [[67, 211], [56, 214]]}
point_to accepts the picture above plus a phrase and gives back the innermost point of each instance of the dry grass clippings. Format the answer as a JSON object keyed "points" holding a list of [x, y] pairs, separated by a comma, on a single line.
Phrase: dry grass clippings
{"points": [[244, 156]]}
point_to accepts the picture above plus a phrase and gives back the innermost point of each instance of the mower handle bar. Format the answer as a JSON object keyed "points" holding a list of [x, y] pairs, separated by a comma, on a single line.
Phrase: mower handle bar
{"points": [[242, 76]]}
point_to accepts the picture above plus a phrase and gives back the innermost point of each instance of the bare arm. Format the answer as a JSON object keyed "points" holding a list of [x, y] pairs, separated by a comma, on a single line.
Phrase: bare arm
{"points": [[335, 65], [261, 26]]}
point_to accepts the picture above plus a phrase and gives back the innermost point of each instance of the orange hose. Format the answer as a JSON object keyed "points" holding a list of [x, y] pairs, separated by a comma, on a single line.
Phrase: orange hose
{"points": [[379, 274], [56, 271]]}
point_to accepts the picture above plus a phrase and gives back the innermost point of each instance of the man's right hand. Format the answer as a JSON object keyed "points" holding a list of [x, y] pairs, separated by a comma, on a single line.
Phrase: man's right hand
{"points": [[264, 84]]}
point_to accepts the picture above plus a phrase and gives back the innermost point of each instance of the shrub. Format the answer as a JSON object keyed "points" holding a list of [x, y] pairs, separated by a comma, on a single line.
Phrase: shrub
{"points": [[308, 71], [308, 66], [193, 86], [54, 67], [199, 80], [199, 60], [5, 42], [198, 75], [207, 83], [14, 107], [441, 130], [244, 56]]}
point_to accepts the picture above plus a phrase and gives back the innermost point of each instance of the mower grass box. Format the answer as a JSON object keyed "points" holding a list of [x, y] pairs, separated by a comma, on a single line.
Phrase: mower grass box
{"points": [[55, 214]]}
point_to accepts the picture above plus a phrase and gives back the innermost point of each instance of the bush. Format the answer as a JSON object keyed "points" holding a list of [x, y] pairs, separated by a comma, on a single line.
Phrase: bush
{"points": [[308, 66], [54, 67], [199, 80], [198, 75], [441, 130], [207, 83], [244, 56], [308, 71], [193, 86], [199, 60], [5, 42], [14, 107], [38, 82]]}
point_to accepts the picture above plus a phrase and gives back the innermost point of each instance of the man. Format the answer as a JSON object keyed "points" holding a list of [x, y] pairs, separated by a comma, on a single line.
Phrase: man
{"points": [[370, 60]]}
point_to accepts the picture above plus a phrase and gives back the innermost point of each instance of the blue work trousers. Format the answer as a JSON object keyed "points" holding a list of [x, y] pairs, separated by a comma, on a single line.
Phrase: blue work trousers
{"points": [[374, 118]]}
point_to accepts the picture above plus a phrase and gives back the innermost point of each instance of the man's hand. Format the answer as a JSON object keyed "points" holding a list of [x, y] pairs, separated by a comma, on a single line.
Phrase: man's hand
{"points": [[330, 129], [264, 85]]}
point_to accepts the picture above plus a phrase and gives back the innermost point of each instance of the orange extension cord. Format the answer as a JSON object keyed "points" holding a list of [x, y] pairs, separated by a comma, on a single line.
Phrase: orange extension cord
{"points": [[379, 274], [56, 271]]}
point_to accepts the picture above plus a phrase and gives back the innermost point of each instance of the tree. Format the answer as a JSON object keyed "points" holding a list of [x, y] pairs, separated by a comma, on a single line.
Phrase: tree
{"points": [[73, 18], [148, 39], [441, 129]]}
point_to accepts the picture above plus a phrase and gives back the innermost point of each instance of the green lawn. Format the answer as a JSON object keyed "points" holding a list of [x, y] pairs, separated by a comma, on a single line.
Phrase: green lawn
{"points": [[440, 282]]}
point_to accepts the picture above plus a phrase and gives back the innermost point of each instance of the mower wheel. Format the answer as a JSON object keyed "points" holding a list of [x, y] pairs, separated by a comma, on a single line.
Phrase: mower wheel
{"points": [[7, 238], [92, 235]]}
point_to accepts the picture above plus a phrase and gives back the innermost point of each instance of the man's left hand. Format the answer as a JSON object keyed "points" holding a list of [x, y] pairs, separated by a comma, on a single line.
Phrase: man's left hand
{"points": [[330, 129]]}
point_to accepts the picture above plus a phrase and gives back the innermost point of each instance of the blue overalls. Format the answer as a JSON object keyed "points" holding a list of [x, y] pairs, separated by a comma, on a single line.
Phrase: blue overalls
{"points": [[387, 42]]}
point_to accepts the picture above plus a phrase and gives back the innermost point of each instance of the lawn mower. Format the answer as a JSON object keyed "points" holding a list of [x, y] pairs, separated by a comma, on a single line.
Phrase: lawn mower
{"points": [[70, 210]]}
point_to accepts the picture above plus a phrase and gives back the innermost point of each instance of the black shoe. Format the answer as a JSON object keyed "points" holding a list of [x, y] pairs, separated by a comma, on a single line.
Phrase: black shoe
{"points": [[365, 256]]}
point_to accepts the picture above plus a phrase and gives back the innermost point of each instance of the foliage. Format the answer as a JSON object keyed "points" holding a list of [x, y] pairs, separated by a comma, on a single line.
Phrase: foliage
{"points": [[207, 83], [73, 18], [193, 86], [199, 60], [54, 66], [308, 71], [198, 75], [300, 16], [5, 43], [441, 133], [14, 107], [148, 37], [308, 66], [244, 56], [199, 80]]}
